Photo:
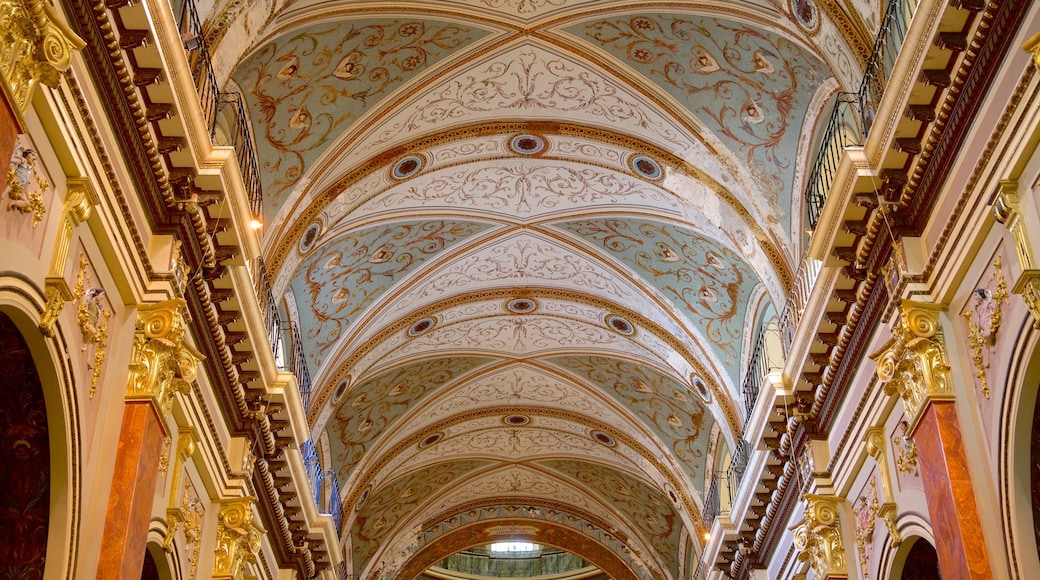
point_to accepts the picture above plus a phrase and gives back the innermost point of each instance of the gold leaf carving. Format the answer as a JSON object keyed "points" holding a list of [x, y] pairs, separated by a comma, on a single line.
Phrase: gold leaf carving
{"points": [[818, 537], [913, 364], [238, 539], [162, 362], [35, 46]]}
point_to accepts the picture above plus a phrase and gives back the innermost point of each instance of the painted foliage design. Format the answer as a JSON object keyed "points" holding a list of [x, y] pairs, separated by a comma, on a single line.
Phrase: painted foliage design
{"points": [[751, 88], [646, 508], [708, 281], [366, 411], [390, 504], [667, 406], [306, 88], [342, 278], [25, 455]]}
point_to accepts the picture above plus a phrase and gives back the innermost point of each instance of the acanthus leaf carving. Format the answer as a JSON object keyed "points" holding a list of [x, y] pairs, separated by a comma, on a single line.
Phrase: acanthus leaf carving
{"points": [[914, 364], [818, 537], [162, 362], [238, 539]]}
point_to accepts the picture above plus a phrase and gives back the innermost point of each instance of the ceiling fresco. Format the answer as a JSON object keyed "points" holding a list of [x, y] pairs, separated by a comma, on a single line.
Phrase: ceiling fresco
{"points": [[527, 244], [306, 88], [750, 87]]}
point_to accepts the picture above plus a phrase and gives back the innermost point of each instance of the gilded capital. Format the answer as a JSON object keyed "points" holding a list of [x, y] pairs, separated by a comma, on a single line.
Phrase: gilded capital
{"points": [[37, 48], [914, 363], [162, 362], [818, 537], [238, 538]]}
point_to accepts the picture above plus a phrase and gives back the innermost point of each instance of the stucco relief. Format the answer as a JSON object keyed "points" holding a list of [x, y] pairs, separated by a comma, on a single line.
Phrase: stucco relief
{"points": [[675, 414], [518, 335], [642, 505], [371, 407], [530, 82], [388, 506], [519, 260], [513, 480], [519, 188], [337, 282]]}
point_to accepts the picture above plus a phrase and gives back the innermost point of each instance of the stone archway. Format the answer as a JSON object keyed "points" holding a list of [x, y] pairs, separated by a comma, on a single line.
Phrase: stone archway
{"points": [[546, 533], [921, 563], [25, 453]]}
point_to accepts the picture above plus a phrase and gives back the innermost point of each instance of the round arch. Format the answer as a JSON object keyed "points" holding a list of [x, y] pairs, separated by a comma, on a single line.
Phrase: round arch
{"points": [[1017, 418], [542, 532], [915, 560], [22, 303]]}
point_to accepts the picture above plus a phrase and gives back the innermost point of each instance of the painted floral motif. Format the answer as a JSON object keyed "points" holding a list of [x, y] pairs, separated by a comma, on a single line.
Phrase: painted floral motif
{"points": [[365, 412], [519, 188], [748, 86], [644, 506], [667, 406], [347, 274], [708, 281], [533, 83], [389, 505], [306, 88], [523, 7]]}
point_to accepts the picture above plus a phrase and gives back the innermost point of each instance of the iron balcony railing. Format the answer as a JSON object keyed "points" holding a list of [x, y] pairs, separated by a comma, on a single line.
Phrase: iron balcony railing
{"points": [[724, 484], [213, 101], [241, 136], [853, 113], [324, 484], [269, 307], [760, 365], [298, 365]]}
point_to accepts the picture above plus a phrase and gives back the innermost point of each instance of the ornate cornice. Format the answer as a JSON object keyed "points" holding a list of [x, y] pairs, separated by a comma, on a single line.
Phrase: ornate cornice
{"points": [[914, 363], [37, 48]]}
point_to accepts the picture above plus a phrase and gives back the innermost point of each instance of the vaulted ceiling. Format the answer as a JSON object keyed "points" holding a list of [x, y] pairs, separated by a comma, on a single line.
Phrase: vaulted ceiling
{"points": [[528, 244]]}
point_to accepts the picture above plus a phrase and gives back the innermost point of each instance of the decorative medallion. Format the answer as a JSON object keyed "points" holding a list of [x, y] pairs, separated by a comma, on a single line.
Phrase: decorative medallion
{"points": [[645, 167], [806, 14], [421, 326], [527, 144], [407, 167], [431, 440], [701, 389], [620, 325], [362, 498], [522, 306], [341, 389], [516, 420], [603, 438], [310, 235]]}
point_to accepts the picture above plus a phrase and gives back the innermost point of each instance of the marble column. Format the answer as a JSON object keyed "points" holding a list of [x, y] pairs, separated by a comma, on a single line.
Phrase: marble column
{"points": [[133, 492], [914, 366], [161, 364], [951, 497]]}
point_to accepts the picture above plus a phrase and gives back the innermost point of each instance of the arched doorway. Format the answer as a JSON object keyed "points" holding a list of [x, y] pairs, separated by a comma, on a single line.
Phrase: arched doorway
{"points": [[922, 563], [25, 455]]}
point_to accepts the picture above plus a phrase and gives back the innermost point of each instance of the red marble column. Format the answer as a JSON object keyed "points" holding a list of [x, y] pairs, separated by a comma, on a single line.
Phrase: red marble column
{"points": [[8, 129], [133, 492], [951, 496]]}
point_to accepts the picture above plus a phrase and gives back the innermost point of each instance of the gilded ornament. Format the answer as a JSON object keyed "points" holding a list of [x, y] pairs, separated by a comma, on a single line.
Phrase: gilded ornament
{"points": [[92, 318], [866, 511], [25, 186], [37, 48], [875, 441], [162, 362], [984, 320], [906, 450], [238, 539], [1007, 210], [164, 456], [79, 201], [818, 537], [913, 364]]}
